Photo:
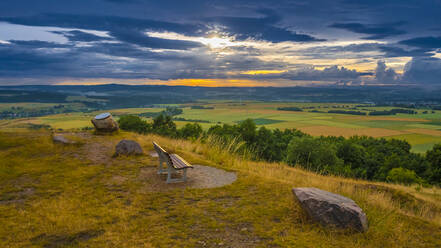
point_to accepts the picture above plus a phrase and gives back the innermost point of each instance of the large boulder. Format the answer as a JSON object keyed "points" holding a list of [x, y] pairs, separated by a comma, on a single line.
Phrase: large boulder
{"points": [[331, 209], [128, 147], [104, 123]]}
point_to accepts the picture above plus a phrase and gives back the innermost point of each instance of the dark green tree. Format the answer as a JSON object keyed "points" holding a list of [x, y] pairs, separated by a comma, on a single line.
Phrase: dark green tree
{"points": [[434, 158]]}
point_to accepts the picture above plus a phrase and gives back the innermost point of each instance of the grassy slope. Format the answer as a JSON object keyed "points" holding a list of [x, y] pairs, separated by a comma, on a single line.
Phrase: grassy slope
{"points": [[79, 196]]}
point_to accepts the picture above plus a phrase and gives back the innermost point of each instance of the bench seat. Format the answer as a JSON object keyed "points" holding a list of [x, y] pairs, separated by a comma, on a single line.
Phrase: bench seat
{"points": [[174, 163], [179, 163]]}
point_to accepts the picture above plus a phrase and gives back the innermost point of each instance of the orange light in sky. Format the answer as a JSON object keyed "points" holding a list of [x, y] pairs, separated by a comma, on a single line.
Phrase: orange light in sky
{"points": [[259, 72]]}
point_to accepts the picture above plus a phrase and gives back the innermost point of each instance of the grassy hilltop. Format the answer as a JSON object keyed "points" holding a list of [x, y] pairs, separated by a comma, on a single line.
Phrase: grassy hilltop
{"points": [[79, 196]]}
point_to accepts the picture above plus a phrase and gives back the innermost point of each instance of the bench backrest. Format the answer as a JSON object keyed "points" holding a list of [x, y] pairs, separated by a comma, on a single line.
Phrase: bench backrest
{"points": [[163, 155]]}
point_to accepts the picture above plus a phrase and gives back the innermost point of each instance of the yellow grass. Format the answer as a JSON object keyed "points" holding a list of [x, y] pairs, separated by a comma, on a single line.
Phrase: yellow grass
{"points": [[80, 196]]}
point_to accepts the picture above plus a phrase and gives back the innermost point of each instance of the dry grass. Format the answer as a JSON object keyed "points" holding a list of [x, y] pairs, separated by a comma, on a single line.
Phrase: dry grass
{"points": [[59, 196]]}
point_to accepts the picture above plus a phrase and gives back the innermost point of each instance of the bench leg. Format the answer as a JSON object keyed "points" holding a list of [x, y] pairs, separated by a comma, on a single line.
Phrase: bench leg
{"points": [[161, 169], [184, 176], [169, 174], [170, 171]]}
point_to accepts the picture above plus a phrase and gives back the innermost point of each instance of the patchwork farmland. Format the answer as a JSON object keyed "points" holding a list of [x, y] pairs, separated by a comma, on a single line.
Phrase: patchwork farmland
{"points": [[422, 129]]}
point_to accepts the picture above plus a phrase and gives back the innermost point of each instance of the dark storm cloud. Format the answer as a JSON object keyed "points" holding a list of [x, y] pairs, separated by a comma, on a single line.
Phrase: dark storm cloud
{"points": [[423, 70], [76, 35], [18, 61], [141, 39], [124, 29], [423, 42], [375, 31], [260, 28], [102, 23], [122, 1], [32, 44], [398, 51], [128, 52]]}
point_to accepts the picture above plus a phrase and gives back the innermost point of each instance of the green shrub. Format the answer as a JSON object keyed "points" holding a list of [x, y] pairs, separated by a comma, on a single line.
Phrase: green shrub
{"points": [[402, 175], [134, 123], [313, 154], [190, 131], [434, 157]]}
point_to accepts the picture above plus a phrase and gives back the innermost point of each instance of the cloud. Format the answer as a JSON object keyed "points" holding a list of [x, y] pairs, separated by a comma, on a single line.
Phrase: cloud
{"points": [[430, 42], [259, 28], [385, 75], [103, 23], [331, 73], [423, 70], [122, 1], [114, 38], [394, 50], [375, 31], [142, 39], [76, 35]]}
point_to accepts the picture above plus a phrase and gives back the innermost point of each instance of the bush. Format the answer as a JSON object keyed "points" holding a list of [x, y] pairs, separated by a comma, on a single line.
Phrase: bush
{"points": [[290, 109], [402, 175], [434, 158], [313, 154], [190, 131], [164, 125], [134, 123]]}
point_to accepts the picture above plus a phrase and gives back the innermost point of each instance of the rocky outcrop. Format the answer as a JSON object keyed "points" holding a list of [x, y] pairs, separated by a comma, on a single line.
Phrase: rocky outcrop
{"points": [[60, 139], [331, 209], [104, 123], [128, 147]]}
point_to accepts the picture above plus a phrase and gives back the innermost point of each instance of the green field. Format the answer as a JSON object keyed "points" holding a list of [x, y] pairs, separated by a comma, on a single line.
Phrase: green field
{"points": [[422, 131]]}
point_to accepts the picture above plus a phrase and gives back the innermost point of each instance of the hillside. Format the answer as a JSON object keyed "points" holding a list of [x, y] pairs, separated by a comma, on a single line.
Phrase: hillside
{"points": [[80, 196]]}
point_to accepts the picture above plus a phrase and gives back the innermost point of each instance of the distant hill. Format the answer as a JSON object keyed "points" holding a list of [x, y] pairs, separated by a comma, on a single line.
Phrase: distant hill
{"points": [[116, 96]]}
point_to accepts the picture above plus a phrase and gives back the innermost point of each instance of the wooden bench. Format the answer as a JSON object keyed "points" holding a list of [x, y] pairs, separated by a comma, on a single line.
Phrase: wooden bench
{"points": [[174, 163]]}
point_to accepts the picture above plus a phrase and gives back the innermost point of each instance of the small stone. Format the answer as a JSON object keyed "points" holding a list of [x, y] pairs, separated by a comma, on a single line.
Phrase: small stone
{"points": [[244, 229], [128, 147], [331, 209]]}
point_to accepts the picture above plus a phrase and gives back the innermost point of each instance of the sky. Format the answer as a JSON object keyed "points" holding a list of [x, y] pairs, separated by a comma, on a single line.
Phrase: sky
{"points": [[221, 42]]}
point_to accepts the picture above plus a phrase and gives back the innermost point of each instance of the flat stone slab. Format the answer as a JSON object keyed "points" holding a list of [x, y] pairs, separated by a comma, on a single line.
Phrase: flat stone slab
{"points": [[153, 154], [58, 138], [331, 209], [201, 177], [209, 177]]}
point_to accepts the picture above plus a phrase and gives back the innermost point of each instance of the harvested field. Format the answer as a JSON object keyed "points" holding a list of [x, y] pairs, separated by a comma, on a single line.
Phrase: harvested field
{"points": [[347, 132]]}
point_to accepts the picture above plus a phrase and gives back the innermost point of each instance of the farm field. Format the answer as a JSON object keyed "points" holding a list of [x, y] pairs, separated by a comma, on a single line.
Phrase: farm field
{"points": [[422, 130]]}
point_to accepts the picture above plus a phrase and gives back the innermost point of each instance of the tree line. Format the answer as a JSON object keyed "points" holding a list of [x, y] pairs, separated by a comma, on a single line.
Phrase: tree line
{"points": [[361, 157]]}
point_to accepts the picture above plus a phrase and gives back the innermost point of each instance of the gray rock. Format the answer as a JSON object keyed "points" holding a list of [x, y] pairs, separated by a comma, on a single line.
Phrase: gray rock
{"points": [[128, 147], [104, 123], [62, 140], [331, 209]]}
